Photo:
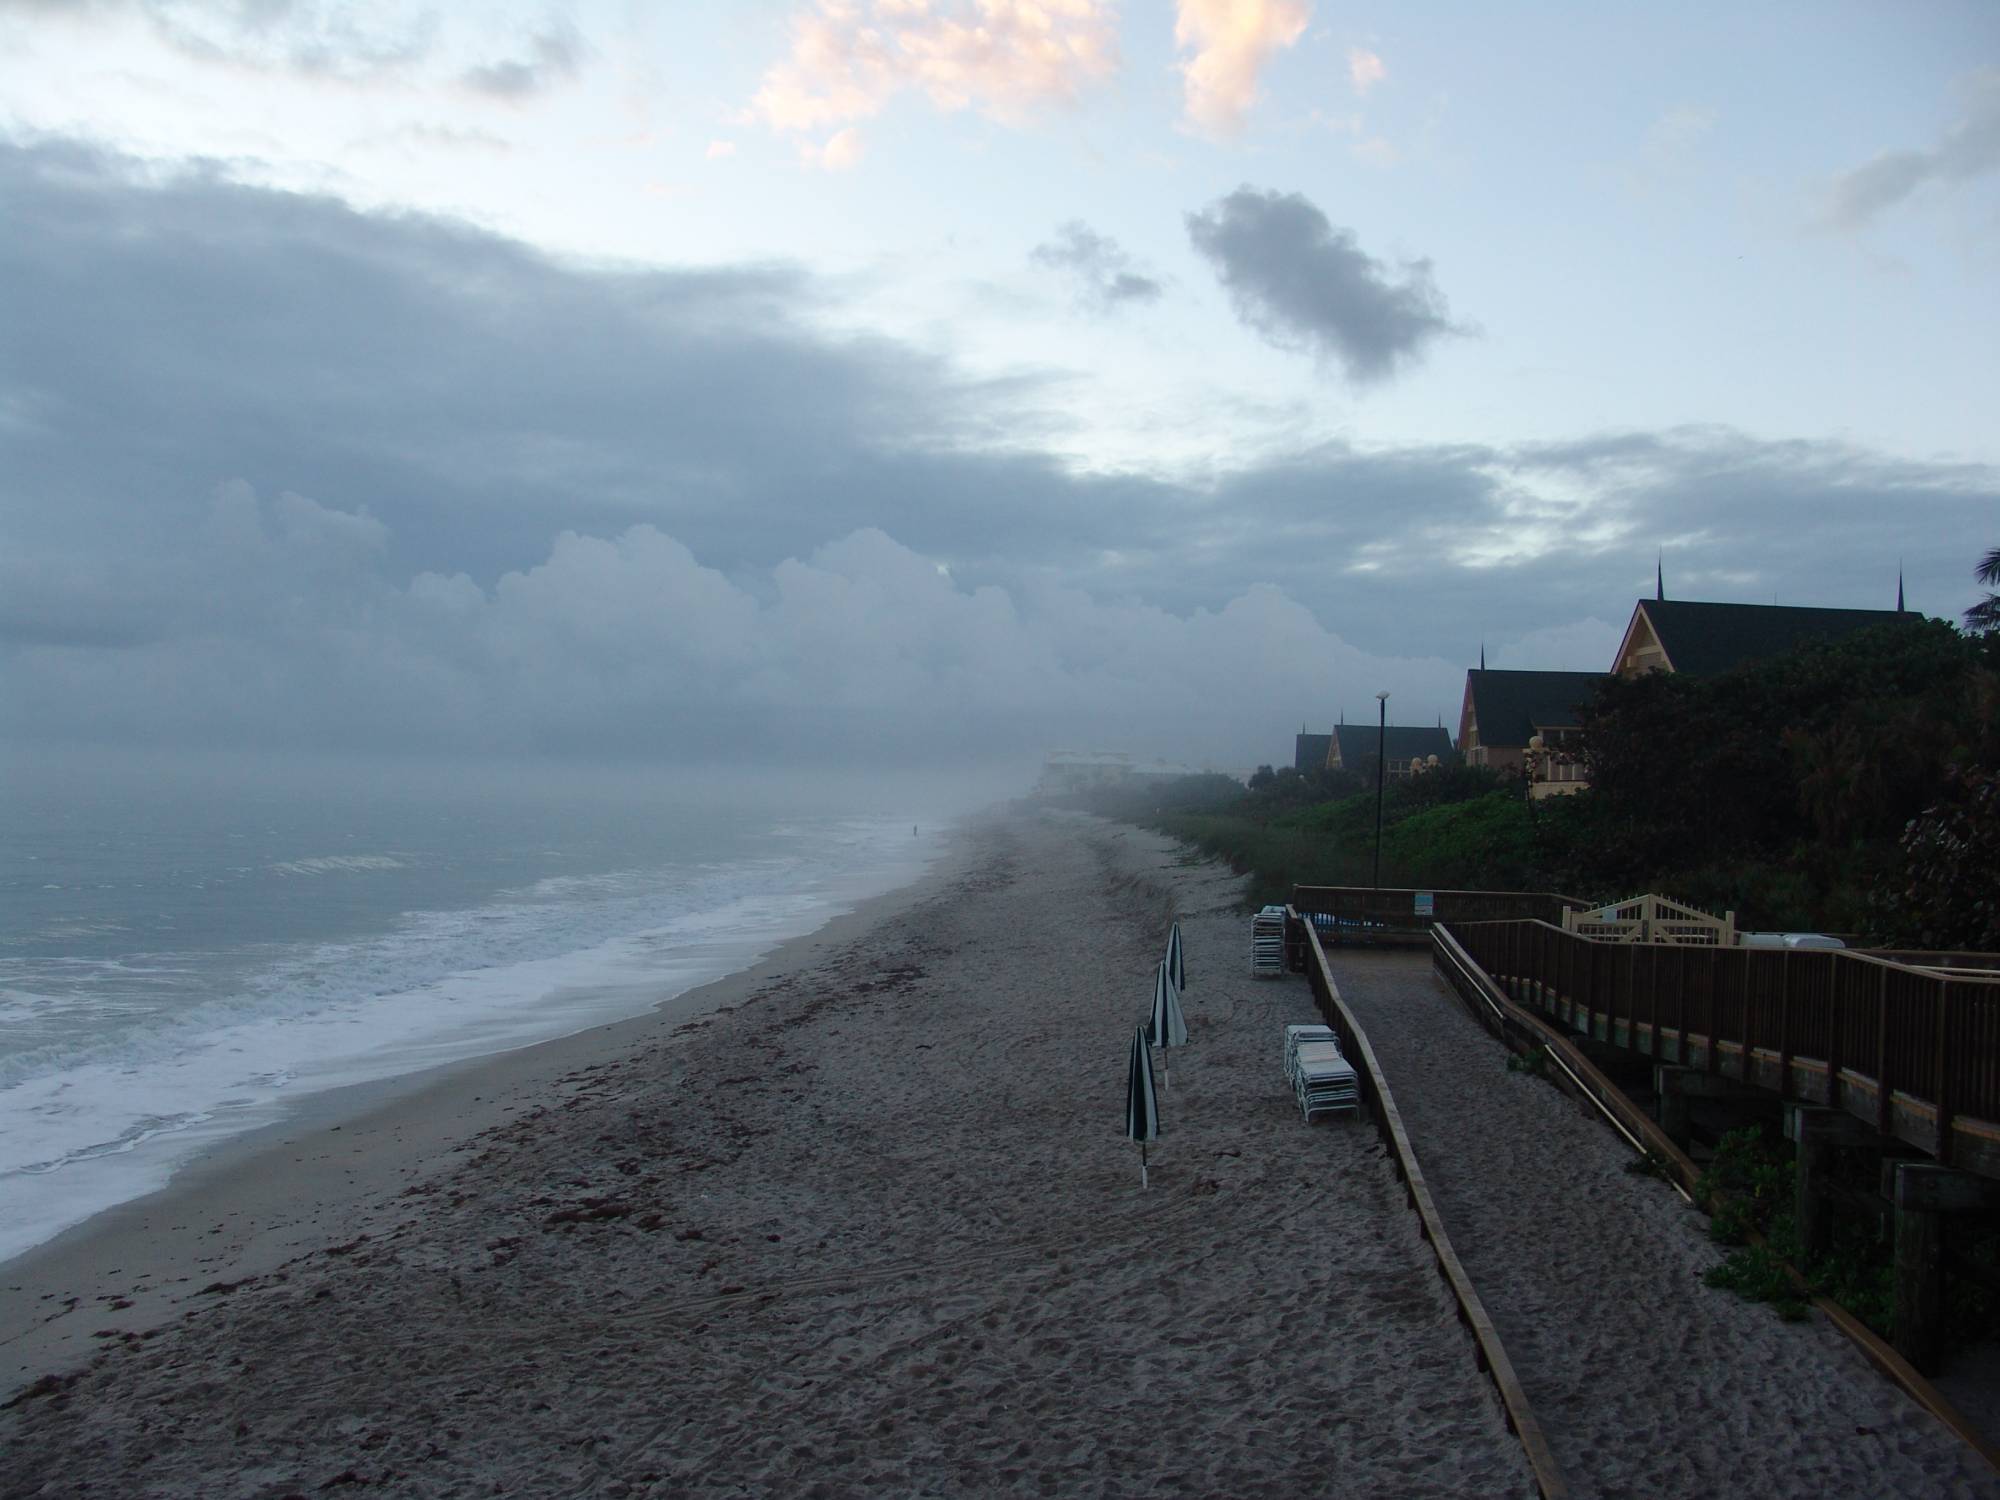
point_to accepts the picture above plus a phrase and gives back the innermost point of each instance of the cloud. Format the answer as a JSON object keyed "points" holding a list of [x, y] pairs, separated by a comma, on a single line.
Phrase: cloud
{"points": [[392, 482], [1673, 138], [553, 57], [720, 150], [1364, 69], [632, 645], [1969, 149], [1231, 41], [839, 152], [1304, 284], [1102, 271], [1006, 58], [316, 38]]}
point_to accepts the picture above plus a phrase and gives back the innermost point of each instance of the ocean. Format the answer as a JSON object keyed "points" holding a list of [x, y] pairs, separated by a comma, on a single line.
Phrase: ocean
{"points": [[188, 948]]}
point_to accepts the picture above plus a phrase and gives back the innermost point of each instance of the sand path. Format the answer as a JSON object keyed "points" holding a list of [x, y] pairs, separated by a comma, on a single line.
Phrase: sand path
{"points": [[873, 1231], [1647, 1383]]}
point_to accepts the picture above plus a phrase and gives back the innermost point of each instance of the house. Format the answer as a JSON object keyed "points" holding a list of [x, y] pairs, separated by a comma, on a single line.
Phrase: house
{"points": [[1352, 748], [1706, 640], [1309, 751], [1503, 712]]}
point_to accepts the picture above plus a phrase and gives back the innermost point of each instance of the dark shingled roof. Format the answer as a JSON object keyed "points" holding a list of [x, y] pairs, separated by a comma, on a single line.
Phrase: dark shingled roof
{"points": [[1707, 640], [1511, 706], [1309, 754], [1400, 742]]}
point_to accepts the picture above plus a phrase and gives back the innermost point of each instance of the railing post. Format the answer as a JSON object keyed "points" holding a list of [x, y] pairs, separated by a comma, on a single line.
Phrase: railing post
{"points": [[1834, 1045], [1653, 1007], [1943, 1075], [1784, 1025], [1882, 1086]]}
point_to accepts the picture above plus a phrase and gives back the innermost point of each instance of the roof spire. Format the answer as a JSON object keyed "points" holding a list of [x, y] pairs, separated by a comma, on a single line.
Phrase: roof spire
{"points": [[1659, 579], [1482, 656], [1899, 586]]}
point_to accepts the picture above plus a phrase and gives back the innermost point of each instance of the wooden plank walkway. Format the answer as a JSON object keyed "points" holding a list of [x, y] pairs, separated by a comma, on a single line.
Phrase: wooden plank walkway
{"points": [[1646, 1382]]}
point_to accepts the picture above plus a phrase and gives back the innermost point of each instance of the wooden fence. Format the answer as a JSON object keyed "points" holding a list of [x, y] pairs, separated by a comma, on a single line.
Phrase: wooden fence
{"points": [[1914, 1052]]}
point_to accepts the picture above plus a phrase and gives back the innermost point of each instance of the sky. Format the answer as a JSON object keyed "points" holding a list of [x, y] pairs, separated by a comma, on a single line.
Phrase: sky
{"points": [[919, 381]]}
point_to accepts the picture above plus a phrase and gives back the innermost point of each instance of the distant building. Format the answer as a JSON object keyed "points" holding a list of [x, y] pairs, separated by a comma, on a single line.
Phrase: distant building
{"points": [[1352, 748], [1503, 712], [1309, 752], [1706, 640]]}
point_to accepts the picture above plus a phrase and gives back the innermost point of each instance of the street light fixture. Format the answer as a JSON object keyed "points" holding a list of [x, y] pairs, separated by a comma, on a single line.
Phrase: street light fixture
{"points": [[1381, 771]]}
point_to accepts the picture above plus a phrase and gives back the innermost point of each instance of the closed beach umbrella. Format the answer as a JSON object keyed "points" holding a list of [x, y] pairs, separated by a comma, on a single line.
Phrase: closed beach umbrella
{"points": [[1176, 961], [1167, 1026], [1142, 1105]]}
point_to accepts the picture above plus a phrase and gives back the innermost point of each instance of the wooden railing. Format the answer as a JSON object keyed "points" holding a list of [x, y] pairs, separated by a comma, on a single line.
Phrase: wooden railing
{"points": [[1368, 914], [1914, 1052]]}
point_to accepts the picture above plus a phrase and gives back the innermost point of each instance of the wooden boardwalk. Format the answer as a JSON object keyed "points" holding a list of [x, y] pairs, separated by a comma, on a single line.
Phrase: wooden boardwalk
{"points": [[1645, 1382]]}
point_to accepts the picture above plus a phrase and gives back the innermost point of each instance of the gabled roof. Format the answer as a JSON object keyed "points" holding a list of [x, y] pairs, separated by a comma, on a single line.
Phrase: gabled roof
{"points": [[1399, 742], [1309, 753], [1511, 706], [1707, 640]]}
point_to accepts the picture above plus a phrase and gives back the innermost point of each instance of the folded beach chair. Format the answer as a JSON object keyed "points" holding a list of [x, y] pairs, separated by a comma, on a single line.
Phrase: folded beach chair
{"points": [[1294, 1035], [1324, 1081], [1267, 941]]}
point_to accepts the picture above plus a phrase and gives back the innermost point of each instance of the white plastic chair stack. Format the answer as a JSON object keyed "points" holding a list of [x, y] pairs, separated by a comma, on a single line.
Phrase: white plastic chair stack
{"points": [[1267, 941], [1323, 1080], [1297, 1034]]}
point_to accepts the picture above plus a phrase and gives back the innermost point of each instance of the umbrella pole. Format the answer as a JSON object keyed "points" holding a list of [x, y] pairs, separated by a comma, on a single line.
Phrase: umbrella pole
{"points": [[1142, 1166]]}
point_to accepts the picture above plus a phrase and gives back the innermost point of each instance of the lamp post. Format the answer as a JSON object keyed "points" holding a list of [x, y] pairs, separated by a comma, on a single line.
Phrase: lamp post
{"points": [[1381, 771]]}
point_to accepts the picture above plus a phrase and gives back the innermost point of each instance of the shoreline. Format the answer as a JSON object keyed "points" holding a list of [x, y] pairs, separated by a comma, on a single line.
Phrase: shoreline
{"points": [[336, 1165]]}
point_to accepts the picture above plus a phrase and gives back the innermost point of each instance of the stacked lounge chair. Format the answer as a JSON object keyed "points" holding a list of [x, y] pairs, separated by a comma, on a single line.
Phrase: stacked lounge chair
{"points": [[1323, 1080], [1267, 941], [1294, 1035]]}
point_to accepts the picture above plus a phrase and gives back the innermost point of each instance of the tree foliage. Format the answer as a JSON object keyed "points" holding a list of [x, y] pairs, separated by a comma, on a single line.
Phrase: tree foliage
{"points": [[1984, 617], [1947, 891]]}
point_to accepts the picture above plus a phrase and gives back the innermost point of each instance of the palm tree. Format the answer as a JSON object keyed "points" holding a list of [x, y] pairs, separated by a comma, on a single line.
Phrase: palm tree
{"points": [[1985, 615]]}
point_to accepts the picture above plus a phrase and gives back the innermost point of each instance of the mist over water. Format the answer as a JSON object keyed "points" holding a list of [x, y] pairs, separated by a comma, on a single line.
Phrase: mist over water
{"points": [[188, 945]]}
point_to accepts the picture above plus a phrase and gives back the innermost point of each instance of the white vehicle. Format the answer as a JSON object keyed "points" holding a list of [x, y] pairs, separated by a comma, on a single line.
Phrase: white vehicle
{"points": [[1788, 940]]}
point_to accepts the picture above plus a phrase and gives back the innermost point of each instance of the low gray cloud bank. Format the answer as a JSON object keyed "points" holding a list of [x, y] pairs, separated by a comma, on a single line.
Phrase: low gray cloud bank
{"points": [[1305, 284], [276, 472], [278, 624]]}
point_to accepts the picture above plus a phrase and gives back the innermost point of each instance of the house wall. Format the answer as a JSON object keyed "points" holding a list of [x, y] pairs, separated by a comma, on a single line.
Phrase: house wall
{"points": [[1643, 652]]}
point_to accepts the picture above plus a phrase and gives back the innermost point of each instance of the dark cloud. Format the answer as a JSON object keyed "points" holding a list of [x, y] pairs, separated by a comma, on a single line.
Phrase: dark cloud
{"points": [[1102, 271], [1304, 284], [276, 472], [1969, 149], [553, 57]]}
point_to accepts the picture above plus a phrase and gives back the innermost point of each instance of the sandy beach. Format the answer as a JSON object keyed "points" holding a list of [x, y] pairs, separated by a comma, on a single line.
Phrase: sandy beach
{"points": [[862, 1221], [868, 1225]]}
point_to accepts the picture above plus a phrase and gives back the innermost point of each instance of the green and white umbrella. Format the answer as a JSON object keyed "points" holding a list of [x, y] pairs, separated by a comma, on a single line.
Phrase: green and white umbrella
{"points": [[1166, 1027], [1176, 960], [1142, 1104]]}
